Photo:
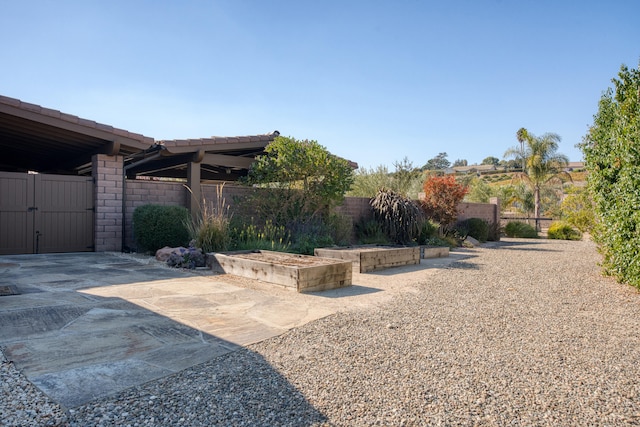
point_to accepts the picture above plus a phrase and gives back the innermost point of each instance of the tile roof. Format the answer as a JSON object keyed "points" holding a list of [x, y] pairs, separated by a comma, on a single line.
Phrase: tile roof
{"points": [[217, 142], [75, 120]]}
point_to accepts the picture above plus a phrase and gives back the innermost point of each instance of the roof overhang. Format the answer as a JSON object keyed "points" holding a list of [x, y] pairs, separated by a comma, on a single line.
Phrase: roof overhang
{"points": [[33, 138], [220, 158]]}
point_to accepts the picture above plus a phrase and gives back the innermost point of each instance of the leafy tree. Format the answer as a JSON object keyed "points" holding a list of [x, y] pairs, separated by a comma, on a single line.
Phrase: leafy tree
{"points": [[491, 161], [612, 159], [438, 163], [405, 180], [306, 180], [405, 176], [511, 164], [543, 165], [460, 162], [367, 182], [479, 191], [442, 194]]}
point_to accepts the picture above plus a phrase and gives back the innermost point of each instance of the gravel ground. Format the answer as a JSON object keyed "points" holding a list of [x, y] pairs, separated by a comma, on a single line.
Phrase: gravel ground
{"points": [[521, 333]]}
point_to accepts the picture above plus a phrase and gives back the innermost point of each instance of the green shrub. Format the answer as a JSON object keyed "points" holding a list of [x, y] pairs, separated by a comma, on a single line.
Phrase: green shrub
{"points": [[267, 237], [212, 235], [210, 229], [429, 231], [340, 228], [308, 235], [561, 230], [475, 227], [449, 241], [612, 161], [520, 229], [157, 226], [306, 243], [494, 232], [369, 231]]}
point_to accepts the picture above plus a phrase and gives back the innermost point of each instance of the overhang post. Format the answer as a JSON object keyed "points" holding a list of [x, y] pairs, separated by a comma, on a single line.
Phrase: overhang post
{"points": [[193, 182]]}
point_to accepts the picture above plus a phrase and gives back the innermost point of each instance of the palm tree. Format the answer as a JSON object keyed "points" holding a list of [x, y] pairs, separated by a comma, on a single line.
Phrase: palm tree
{"points": [[542, 164]]}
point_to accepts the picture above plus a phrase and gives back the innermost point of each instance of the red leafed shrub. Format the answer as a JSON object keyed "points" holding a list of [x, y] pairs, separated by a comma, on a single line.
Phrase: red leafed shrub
{"points": [[442, 194]]}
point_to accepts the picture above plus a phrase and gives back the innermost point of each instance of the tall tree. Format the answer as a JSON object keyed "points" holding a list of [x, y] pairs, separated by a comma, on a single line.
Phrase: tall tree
{"points": [[543, 165], [438, 163], [491, 161], [306, 178], [405, 178]]}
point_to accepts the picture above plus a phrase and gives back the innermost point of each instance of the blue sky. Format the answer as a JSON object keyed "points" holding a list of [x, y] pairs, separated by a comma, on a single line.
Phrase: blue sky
{"points": [[373, 81]]}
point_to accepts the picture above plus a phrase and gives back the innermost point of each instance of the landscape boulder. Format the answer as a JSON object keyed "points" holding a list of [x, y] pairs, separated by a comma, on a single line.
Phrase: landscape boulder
{"points": [[163, 254]]}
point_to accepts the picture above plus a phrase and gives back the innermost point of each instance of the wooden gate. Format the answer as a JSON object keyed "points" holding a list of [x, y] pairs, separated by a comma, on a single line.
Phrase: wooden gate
{"points": [[45, 213]]}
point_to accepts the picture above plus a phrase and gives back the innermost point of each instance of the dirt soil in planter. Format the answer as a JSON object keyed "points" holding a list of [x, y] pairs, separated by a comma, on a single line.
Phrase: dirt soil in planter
{"points": [[285, 259]]}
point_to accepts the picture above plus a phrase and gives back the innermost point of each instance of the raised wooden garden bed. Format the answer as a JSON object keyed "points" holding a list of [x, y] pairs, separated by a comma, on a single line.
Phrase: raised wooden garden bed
{"points": [[300, 272], [434, 252], [372, 258]]}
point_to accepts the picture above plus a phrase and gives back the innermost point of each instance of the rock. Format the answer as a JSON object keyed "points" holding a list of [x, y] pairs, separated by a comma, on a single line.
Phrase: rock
{"points": [[471, 241], [163, 254]]}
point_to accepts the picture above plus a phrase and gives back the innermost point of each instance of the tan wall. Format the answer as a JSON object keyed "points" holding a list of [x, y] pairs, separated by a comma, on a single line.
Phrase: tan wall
{"points": [[487, 211], [139, 192], [107, 173], [356, 208]]}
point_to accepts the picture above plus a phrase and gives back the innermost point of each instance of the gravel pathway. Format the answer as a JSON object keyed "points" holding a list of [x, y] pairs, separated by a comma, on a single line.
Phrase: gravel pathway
{"points": [[521, 333]]}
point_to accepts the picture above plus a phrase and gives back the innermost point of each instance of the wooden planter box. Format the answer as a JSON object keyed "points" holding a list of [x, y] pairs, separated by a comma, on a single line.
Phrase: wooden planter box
{"points": [[300, 272], [372, 258], [434, 252]]}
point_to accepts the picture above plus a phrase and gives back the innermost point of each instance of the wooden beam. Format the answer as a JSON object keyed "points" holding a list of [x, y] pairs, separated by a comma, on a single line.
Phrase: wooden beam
{"points": [[193, 182], [111, 149], [228, 161]]}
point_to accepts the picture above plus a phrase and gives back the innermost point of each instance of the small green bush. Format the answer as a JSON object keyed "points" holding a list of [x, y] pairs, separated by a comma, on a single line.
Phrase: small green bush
{"points": [[520, 229], [475, 227], [340, 228], [308, 235], [210, 228], [157, 226], [561, 230], [494, 232], [212, 235], [369, 231], [429, 231], [267, 237]]}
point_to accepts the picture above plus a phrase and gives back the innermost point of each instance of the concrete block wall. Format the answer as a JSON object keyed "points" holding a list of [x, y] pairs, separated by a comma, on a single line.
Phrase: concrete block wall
{"points": [[142, 192], [487, 211], [356, 208], [107, 174], [231, 194]]}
